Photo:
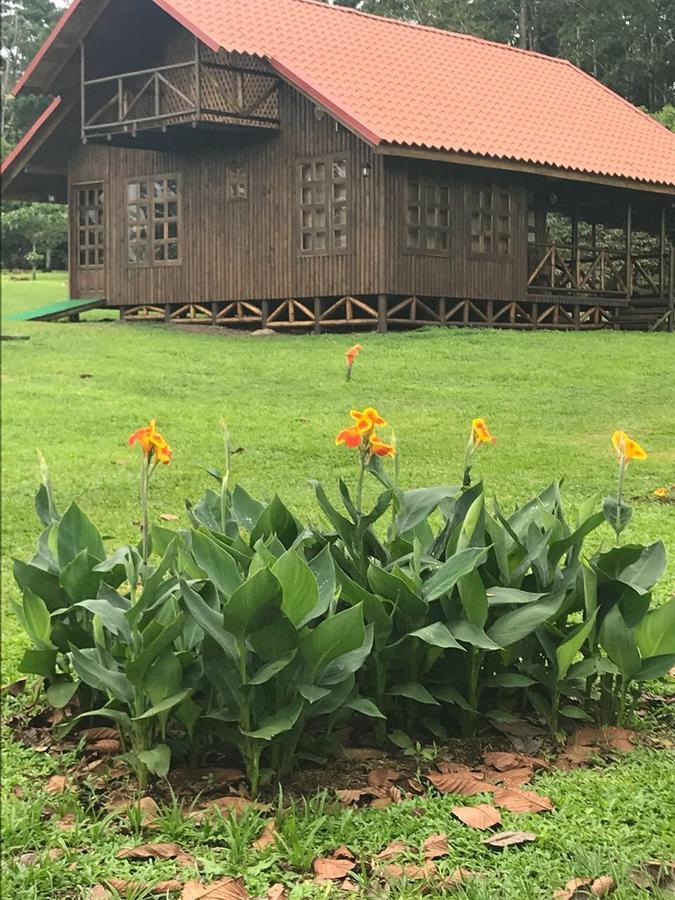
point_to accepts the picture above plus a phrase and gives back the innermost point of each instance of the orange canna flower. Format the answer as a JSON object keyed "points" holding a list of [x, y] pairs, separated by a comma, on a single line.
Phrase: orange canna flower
{"points": [[352, 353], [626, 448], [351, 437], [661, 493], [370, 416], [480, 433], [152, 443], [380, 448]]}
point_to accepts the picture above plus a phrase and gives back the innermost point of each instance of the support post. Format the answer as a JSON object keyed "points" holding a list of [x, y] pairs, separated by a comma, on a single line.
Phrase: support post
{"points": [[491, 314], [214, 312], [83, 102], [264, 313], [534, 315], [671, 288], [629, 250], [575, 243], [317, 315], [442, 310], [198, 80], [662, 252], [167, 312], [382, 313]]}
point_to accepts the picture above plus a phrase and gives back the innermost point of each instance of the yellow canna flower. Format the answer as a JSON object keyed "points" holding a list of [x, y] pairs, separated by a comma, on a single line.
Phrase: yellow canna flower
{"points": [[662, 493], [480, 433], [626, 448], [152, 443]]}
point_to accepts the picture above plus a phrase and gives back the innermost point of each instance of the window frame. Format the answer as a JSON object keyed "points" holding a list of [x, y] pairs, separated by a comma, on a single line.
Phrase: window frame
{"points": [[237, 176], [152, 221], [426, 182], [496, 214], [99, 227], [329, 203]]}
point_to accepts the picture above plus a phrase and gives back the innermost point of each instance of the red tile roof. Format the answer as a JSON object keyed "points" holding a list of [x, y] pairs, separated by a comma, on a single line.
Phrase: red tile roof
{"points": [[408, 85]]}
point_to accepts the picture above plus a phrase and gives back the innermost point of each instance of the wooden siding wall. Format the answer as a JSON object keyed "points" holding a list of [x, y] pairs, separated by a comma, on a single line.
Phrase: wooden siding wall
{"points": [[247, 249], [458, 273]]}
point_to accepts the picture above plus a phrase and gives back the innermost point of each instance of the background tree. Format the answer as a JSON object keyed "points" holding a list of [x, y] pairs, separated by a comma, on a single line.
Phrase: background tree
{"points": [[33, 232]]}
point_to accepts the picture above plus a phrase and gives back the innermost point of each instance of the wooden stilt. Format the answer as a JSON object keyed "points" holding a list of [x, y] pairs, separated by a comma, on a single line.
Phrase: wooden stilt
{"points": [[317, 315], [382, 313], [629, 250], [167, 312], [264, 312]]}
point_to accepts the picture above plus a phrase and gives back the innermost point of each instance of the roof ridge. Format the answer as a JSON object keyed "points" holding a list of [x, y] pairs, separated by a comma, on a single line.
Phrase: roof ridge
{"points": [[446, 32]]}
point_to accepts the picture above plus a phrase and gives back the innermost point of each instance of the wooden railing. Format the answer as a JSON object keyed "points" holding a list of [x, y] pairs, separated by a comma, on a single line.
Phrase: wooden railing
{"points": [[164, 95], [577, 270]]}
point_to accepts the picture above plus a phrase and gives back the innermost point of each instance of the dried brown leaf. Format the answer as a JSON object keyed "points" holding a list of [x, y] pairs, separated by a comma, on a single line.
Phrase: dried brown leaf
{"points": [[57, 784], [342, 852], [224, 889], [503, 761], [459, 783], [98, 892], [482, 816], [123, 886], [157, 851], [445, 766], [517, 777], [381, 776], [351, 796], [393, 849], [380, 802], [67, 822], [276, 892], [104, 733], [521, 801], [267, 836], [148, 809], [603, 886], [168, 517], [509, 838], [655, 873], [410, 872], [435, 846], [105, 747], [328, 869]]}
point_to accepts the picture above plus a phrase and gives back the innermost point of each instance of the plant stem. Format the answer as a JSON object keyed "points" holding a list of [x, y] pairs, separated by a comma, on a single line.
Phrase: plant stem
{"points": [[145, 478], [619, 496], [359, 486], [475, 660]]}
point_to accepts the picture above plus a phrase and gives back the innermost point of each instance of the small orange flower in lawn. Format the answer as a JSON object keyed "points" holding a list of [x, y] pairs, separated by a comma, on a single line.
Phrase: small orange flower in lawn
{"points": [[626, 448], [155, 450], [350, 356], [661, 493], [480, 434]]}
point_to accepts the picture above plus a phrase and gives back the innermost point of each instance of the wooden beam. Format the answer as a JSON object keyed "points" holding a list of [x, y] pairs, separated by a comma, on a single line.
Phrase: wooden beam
{"points": [[629, 250], [662, 251]]}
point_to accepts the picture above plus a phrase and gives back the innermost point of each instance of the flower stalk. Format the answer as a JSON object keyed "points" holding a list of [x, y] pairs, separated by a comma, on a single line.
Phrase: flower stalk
{"points": [[154, 450]]}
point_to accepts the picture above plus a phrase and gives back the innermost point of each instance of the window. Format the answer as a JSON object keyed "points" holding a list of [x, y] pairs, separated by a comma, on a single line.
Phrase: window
{"points": [[90, 226], [428, 216], [323, 205], [153, 220], [491, 221], [236, 183]]}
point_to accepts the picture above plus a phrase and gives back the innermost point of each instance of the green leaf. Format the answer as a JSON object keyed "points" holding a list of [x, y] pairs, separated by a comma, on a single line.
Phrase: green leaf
{"points": [[574, 712], [618, 642], [139, 665], [278, 520], [333, 637], [76, 532], [157, 760], [38, 662], [323, 567], [312, 693], [517, 624], [655, 667], [472, 634], [298, 584], [60, 693], [449, 694], [366, 707], [474, 599], [618, 515], [164, 677], [91, 670], [245, 509], [347, 663], [655, 635], [413, 690], [112, 618], [270, 669], [254, 604], [471, 523], [508, 680], [568, 649], [401, 739], [416, 505], [499, 596], [164, 705], [208, 619], [279, 722], [37, 621], [447, 575], [43, 584], [437, 635], [214, 559]]}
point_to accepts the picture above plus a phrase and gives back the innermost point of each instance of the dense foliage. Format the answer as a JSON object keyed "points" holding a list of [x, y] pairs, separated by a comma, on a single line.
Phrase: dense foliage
{"points": [[433, 612]]}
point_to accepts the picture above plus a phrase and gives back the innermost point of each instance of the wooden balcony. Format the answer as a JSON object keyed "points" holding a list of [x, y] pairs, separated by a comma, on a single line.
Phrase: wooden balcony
{"points": [[161, 100], [579, 271]]}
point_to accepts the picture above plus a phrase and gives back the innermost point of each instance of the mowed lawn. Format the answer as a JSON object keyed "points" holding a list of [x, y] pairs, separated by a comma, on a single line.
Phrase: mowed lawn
{"points": [[75, 392]]}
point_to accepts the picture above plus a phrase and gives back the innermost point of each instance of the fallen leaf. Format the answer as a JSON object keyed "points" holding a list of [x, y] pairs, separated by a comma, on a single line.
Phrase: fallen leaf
{"points": [[459, 783], [505, 761], [361, 753], [482, 816], [228, 806], [327, 869], [410, 872], [98, 892], [276, 892], [67, 822], [267, 836], [148, 809], [415, 785], [224, 889], [105, 747], [381, 776], [435, 845], [609, 736], [349, 885], [92, 735], [521, 801], [122, 886], [393, 849], [509, 838], [350, 796], [446, 766], [380, 802], [342, 852], [168, 517], [603, 886], [157, 851], [56, 784], [459, 876], [655, 873], [517, 777]]}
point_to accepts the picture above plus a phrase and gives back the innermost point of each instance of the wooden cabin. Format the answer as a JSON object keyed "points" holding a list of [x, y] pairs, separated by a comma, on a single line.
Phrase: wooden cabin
{"points": [[292, 164]]}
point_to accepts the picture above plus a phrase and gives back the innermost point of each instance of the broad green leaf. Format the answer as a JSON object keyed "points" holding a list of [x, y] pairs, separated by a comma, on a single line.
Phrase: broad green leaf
{"points": [[270, 669], [618, 642], [91, 670], [413, 690], [470, 525], [60, 693], [76, 532], [568, 649], [333, 637], [208, 619], [502, 716], [449, 694], [616, 514], [655, 635], [157, 760], [393, 587], [245, 509], [655, 667], [164, 677], [345, 528], [299, 588], [255, 603], [37, 621], [508, 680], [78, 579], [574, 712], [474, 599], [278, 520], [216, 562], [278, 722], [517, 624], [139, 665], [347, 663], [323, 567], [472, 634], [366, 707], [112, 618], [41, 583], [164, 705], [437, 635], [499, 596], [312, 693], [447, 575], [416, 505], [38, 662]]}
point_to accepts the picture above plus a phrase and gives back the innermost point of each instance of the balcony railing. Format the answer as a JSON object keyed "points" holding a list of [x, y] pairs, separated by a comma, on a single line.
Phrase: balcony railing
{"points": [[186, 92], [577, 270]]}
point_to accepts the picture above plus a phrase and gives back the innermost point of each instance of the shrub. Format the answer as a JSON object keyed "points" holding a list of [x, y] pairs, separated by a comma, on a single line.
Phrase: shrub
{"points": [[253, 632]]}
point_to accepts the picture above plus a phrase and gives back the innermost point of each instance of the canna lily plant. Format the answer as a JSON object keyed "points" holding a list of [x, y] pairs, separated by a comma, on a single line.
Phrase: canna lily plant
{"points": [[350, 356], [617, 512], [154, 450]]}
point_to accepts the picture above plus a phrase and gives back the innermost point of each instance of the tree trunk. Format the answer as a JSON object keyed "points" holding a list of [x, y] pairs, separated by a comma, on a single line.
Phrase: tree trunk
{"points": [[48, 259]]}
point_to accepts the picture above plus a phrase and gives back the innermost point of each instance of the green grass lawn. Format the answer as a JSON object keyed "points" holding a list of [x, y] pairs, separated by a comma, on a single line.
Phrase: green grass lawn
{"points": [[21, 293], [75, 392]]}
